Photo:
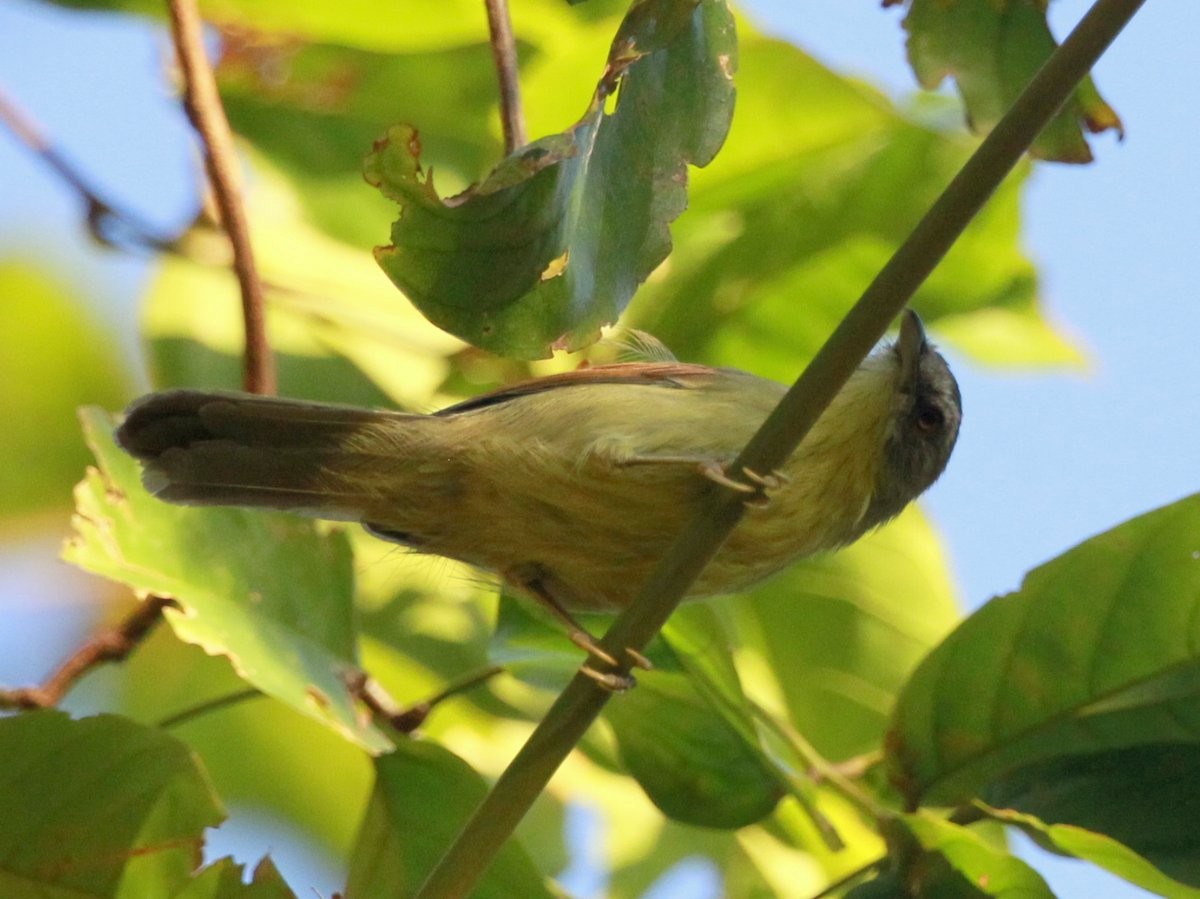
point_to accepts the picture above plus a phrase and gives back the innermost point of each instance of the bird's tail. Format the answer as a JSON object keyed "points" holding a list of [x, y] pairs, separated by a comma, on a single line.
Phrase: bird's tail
{"points": [[233, 449]]}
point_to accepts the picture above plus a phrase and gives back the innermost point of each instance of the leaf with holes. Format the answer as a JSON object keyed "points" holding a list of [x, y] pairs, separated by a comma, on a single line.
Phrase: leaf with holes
{"points": [[1098, 651], [992, 50], [223, 879], [270, 591], [553, 243]]}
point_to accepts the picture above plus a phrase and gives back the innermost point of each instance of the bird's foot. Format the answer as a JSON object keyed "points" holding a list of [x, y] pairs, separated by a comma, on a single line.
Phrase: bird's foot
{"points": [[758, 493], [612, 681]]}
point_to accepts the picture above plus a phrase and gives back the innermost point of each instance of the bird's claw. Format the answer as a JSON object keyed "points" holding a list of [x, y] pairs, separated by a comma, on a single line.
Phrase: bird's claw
{"points": [[612, 681], [758, 494], [588, 644]]}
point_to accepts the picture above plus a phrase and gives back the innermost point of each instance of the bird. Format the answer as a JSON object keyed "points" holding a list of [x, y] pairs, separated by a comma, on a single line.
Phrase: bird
{"points": [[571, 486]]}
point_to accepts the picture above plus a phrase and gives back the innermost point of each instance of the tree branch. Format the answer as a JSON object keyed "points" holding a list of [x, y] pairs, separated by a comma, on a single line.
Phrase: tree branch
{"points": [[577, 707], [108, 225], [406, 720], [108, 646], [204, 109], [504, 50]]}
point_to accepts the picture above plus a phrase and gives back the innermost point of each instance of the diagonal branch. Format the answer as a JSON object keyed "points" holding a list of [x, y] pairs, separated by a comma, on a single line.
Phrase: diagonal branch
{"points": [[577, 707], [109, 646], [108, 224], [504, 50], [203, 105]]}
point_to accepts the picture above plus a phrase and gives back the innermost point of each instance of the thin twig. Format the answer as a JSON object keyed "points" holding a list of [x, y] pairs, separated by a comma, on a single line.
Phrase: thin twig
{"points": [[203, 105], [409, 719], [817, 763], [110, 646], [504, 51], [855, 767], [799, 789], [576, 708], [108, 224], [209, 706]]}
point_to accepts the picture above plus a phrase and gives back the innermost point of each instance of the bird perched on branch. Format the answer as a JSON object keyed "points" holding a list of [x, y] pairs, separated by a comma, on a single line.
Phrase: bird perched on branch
{"points": [[571, 486]]}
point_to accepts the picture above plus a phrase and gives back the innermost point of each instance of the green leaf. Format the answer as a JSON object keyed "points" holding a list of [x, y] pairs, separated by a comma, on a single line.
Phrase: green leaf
{"points": [[944, 860], [684, 732], [1097, 651], [223, 880], [553, 243], [820, 181], [98, 807], [42, 324], [1145, 798], [423, 795], [267, 590], [992, 50], [841, 633], [249, 749], [1102, 851]]}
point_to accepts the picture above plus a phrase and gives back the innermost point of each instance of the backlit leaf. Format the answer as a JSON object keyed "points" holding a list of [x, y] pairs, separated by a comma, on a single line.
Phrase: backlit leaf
{"points": [[269, 591], [992, 50], [1101, 850]]}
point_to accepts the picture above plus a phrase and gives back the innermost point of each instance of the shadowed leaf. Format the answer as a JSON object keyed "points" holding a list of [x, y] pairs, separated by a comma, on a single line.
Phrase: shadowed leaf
{"points": [[1144, 797], [98, 807], [1099, 650], [423, 795], [553, 243]]}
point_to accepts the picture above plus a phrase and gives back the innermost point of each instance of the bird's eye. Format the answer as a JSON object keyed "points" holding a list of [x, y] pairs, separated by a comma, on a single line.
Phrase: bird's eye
{"points": [[930, 417]]}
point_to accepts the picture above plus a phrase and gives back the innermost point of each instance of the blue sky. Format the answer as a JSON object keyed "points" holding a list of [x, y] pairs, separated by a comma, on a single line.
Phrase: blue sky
{"points": [[1044, 460]]}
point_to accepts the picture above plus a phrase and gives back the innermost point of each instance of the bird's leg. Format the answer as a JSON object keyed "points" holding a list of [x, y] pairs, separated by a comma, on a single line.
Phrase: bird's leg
{"points": [[537, 587]]}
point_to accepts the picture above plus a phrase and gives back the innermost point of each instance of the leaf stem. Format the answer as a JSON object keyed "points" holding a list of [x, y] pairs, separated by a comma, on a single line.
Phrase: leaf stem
{"points": [[108, 646], [821, 766], [504, 51], [204, 109], [573, 712], [211, 705]]}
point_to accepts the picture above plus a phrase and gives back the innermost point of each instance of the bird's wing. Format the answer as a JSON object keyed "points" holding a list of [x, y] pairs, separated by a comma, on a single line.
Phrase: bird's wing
{"points": [[680, 375]]}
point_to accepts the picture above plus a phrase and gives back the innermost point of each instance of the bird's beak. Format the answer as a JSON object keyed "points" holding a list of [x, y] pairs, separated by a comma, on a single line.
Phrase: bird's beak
{"points": [[911, 346]]}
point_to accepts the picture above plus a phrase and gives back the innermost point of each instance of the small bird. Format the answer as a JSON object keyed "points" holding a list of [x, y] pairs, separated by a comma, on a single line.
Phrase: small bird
{"points": [[571, 487]]}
